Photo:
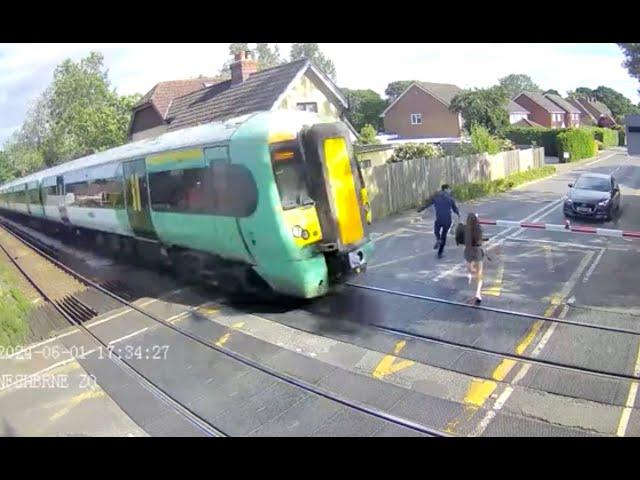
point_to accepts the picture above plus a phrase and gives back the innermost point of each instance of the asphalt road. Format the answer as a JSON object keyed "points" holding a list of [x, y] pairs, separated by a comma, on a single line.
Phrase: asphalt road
{"points": [[443, 375]]}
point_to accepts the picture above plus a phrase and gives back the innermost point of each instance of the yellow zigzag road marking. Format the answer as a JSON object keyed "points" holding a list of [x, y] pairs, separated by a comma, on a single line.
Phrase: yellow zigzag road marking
{"points": [[388, 364]]}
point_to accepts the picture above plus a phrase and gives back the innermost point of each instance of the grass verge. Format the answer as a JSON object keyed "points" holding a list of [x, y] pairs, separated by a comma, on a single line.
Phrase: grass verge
{"points": [[469, 191], [14, 307]]}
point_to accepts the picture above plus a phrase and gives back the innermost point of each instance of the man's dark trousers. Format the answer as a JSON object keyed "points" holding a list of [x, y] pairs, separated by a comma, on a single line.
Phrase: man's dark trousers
{"points": [[440, 229]]}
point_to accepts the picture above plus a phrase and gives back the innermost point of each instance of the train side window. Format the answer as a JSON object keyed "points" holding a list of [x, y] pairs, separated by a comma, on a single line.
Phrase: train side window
{"points": [[177, 190], [225, 190], [235, 191], [95, 188]]}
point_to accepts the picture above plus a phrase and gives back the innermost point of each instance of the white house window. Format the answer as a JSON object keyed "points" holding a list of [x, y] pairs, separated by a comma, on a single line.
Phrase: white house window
{"points": [[308, 107], [416, 119], [557, 117], [516, 117]]}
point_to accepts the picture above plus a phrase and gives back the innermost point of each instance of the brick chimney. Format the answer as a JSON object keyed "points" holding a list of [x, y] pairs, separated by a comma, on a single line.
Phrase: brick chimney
{"points": [[243, 66]]}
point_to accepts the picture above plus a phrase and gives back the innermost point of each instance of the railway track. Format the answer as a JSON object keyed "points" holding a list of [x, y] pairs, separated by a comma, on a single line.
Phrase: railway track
{"points": [[121, 288], [76, 315]]}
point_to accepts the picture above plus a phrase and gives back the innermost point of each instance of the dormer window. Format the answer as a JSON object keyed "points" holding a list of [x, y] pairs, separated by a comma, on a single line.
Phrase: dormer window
{"points": [[308, 107]]}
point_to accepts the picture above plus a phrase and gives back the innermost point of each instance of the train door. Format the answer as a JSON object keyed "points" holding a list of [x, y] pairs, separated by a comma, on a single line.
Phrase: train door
{"points": [[26, 198], [62, 202], [137, 199]]}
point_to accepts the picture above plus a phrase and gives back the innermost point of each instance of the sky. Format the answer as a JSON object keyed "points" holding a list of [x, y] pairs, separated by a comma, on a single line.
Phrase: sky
{"points": [[27, 69]]}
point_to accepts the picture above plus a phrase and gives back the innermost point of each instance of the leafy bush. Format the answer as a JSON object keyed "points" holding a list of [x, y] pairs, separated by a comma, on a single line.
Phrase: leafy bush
{"points": [[578, 142], [538, 136], [482, 141], [469, 191], [13, 310], [606, 136], [412, 151], [622, 136], [368, 135]]}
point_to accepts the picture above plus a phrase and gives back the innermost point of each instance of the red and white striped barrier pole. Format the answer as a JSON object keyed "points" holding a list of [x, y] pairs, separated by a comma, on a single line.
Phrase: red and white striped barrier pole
{"points": [[567, 227]]}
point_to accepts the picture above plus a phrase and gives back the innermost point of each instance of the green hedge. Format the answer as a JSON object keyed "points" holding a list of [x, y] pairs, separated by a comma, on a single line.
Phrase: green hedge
{"points": [[13, 310], [607, 136], [469, 191], [579, 142], [541, 137], [622, 136]]}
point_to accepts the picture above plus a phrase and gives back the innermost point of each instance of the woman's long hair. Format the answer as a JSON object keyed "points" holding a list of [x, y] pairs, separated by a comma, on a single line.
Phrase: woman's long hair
{"points": [[473, 236]]}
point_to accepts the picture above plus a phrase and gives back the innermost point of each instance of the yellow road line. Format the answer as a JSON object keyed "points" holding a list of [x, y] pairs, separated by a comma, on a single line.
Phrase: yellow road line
{"points": [[388, 364], [75, 401], [496, 288], [225, 338], [631, 400], [481, 389]]}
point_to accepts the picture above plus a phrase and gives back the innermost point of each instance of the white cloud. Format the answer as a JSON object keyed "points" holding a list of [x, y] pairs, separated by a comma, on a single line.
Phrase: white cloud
{"points": [[26, 69]]}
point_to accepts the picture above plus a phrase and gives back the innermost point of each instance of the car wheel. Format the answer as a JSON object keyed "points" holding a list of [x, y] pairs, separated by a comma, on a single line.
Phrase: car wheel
{"points": [[609, 216]]}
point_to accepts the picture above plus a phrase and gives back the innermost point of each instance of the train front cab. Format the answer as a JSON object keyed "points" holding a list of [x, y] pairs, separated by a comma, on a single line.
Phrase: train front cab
{"points": [[324, 199]]}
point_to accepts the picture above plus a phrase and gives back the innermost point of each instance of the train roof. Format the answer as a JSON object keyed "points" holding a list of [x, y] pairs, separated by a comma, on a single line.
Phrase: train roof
{"points": [[209, 133]]}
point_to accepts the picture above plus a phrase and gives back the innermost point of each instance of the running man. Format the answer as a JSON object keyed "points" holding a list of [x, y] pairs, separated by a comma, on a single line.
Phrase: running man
{"points": [[443, 204]]}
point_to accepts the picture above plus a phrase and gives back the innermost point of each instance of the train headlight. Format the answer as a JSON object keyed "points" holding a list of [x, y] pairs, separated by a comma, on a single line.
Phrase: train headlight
{"points": [[299, 232]]}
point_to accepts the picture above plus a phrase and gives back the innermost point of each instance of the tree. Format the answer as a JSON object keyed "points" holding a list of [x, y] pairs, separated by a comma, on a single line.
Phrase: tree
{"points": [[237, 48], [79, 113], [394, 89], [551, 91], [580, 92], [368, 135], [85, 114], [631, 53], [7, 172], [267, 57], [517, 83], [312, 52], [486, 107], [365, 107]]}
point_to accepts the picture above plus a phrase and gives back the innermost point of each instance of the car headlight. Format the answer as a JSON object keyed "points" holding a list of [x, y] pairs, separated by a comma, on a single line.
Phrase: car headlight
{"points": [[567, 200], [603, 203]]}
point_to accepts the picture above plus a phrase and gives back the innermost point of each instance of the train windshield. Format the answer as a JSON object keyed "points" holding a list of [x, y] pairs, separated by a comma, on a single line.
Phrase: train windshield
{"points": [[290, 173]]}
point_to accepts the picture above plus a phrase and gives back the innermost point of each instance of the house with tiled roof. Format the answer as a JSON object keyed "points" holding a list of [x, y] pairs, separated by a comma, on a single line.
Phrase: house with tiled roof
{"points": [[516, 112], [422, 111], [571, 115], [586, 117], [149, 115], [593, 111], [542, 110], [297, 85]]}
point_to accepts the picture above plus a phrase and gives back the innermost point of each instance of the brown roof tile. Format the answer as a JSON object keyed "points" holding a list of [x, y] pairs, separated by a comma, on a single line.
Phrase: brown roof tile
{"points": [[559, 101], [222, 101], [545, 103], [525, 122], [443, 91], [163, 93], [513, 107]]}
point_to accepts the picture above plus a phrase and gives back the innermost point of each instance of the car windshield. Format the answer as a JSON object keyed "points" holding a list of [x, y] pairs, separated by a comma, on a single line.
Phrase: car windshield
{"points": [[598, 184]]}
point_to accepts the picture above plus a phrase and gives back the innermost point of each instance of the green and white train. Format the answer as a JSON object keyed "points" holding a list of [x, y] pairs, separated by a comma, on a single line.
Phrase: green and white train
{"points": [[270, 199]]}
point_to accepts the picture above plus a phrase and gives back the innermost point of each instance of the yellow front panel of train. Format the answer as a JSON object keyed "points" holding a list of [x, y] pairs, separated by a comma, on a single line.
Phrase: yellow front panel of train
{"points": [[343, 190]]}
